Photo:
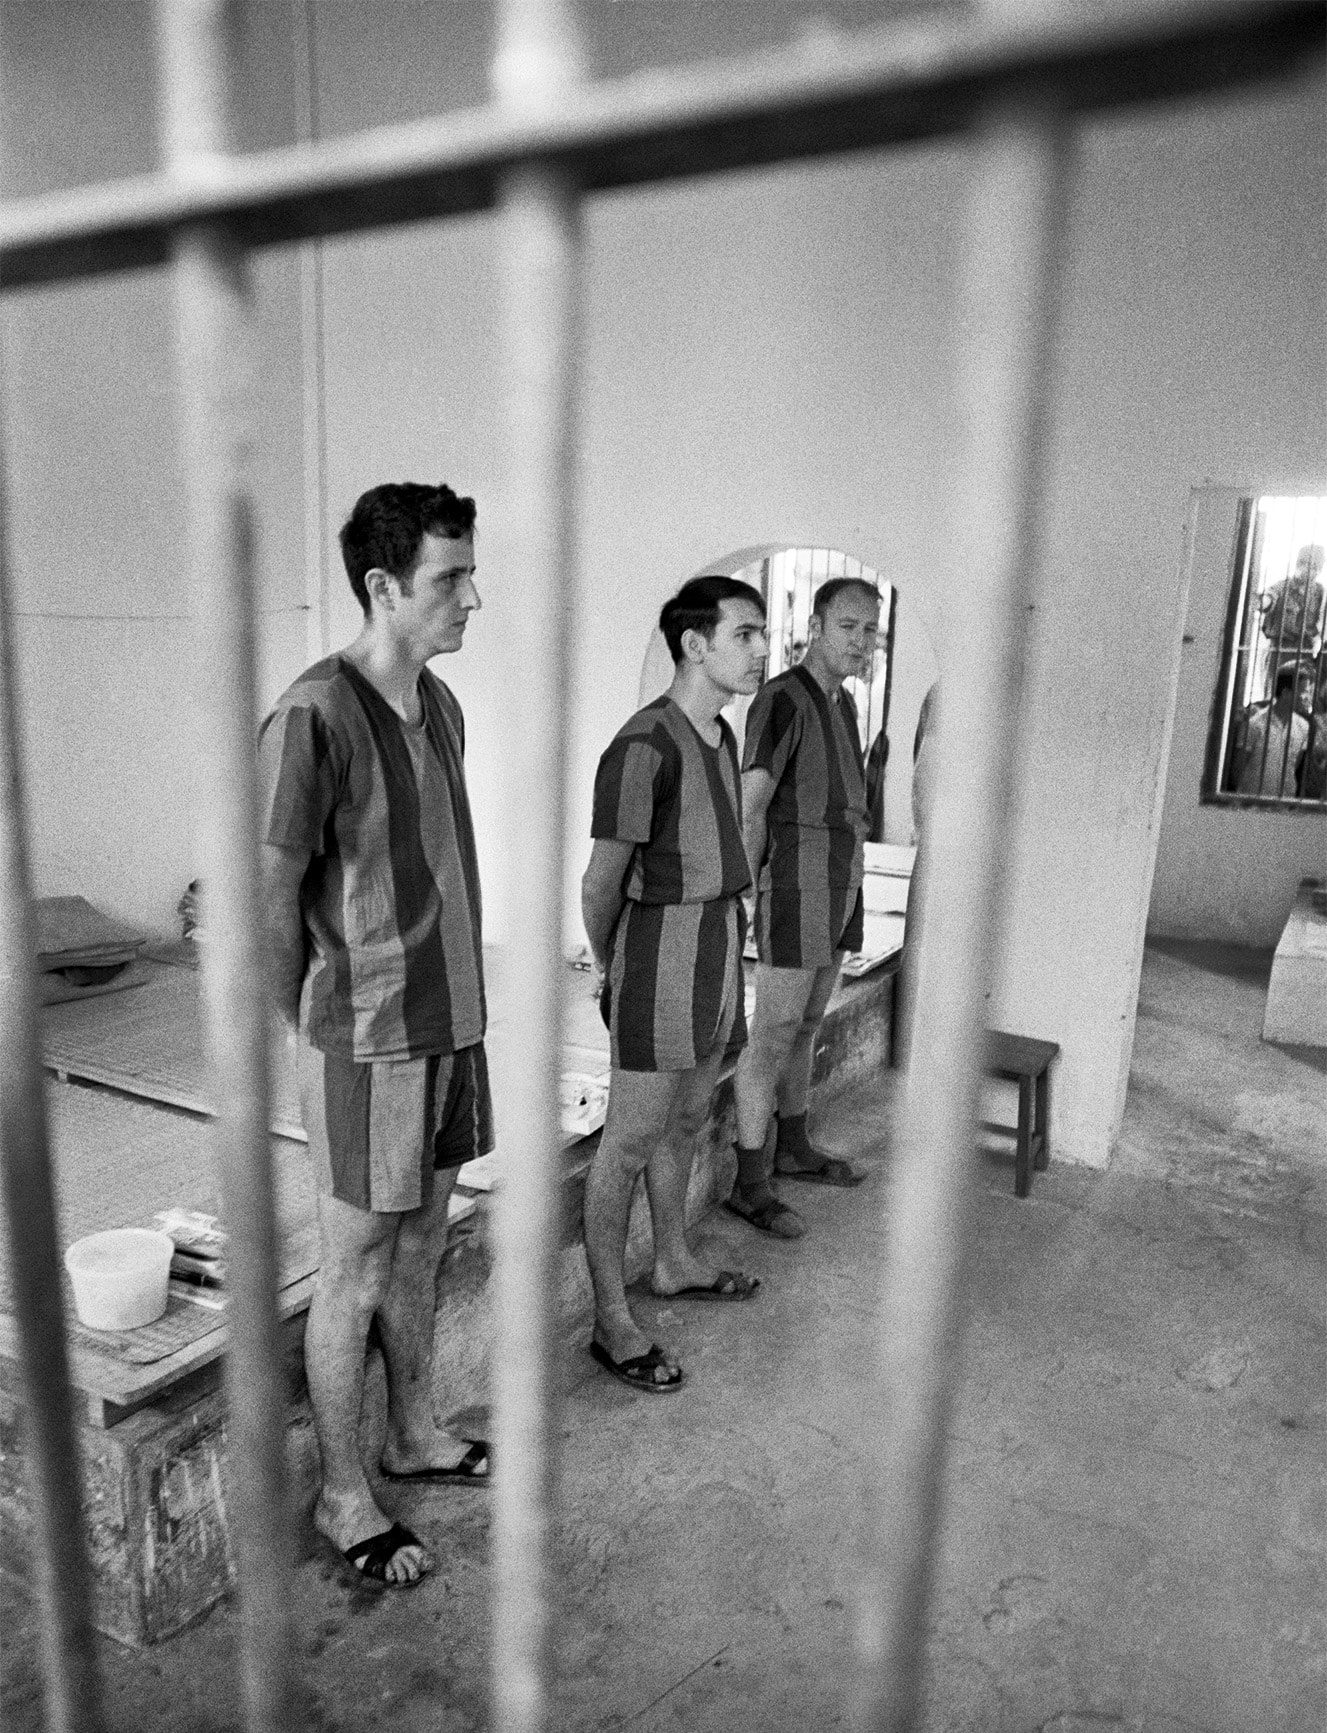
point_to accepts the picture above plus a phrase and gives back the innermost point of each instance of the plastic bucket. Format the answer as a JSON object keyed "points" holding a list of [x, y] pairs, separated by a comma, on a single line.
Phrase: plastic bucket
{"points": [[120, 1277]]}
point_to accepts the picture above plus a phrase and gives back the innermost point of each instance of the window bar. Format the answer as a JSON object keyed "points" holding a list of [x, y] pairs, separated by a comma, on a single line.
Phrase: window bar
{"points": [[538, 55], [1273, 654], [214, 312], [1010, 290], [1301, 661], [1217, 778], [73, 1684], [1249, 665]]}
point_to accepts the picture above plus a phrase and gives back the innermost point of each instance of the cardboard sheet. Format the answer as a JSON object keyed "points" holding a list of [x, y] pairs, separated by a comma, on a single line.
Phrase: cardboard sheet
{"points": [[116, 1164]]}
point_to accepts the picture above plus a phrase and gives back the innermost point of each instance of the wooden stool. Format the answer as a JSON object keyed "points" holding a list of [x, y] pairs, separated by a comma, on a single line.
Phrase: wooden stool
{"points": [[1021, 1059]]}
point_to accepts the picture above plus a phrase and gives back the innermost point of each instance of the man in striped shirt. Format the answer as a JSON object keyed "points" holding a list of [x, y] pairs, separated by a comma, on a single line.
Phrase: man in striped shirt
{"points": [[804, 798], [373, 920], [662, 904]]}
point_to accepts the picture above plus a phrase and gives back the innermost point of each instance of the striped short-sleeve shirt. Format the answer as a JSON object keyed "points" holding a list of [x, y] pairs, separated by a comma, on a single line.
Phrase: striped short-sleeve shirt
{"points": [[674, 986], [680, 801], [810, 880], [391, 898]]}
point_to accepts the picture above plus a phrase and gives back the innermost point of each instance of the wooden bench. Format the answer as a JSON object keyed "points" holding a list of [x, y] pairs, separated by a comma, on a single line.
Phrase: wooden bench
{"points": [[1021, 1059]]}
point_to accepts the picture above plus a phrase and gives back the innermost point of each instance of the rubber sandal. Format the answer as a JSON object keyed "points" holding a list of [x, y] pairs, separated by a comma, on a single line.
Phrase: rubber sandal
{"points": [[765, 1217], [727, 1285], [377, 1552], [831, 1171], [639, 1371], [471, 1470]]}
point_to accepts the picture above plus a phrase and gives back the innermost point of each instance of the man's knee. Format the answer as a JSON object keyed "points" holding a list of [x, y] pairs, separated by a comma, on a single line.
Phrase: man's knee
{"points": [[356, 1282], [356, 1249], [625, 1150], [775, 1030], [422, 1233], [688, 1118]]}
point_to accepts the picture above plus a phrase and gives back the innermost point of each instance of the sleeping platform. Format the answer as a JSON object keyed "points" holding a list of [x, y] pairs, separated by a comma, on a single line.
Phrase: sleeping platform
{"points": [[131, 1135]]}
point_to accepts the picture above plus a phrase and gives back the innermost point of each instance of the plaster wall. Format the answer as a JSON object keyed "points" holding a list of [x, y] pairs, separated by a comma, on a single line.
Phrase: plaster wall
{"points": [[767, 358], [95, 518], [1224, 872]]}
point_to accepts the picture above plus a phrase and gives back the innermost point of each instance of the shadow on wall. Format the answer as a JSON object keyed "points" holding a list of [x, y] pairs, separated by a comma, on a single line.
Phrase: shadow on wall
{"points": [[887, 704]]}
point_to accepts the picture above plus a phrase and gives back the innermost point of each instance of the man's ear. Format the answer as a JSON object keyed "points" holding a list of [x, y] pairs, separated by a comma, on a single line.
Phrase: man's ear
{"points": [[382, 587], [814, 627], [694, 645]]}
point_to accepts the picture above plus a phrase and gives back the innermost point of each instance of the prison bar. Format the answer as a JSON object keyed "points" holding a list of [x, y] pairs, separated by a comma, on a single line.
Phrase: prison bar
{"points": [[1235, 657], [538, 55], [904, 82], [214, 317], [1016, 209], [73, 1692]]}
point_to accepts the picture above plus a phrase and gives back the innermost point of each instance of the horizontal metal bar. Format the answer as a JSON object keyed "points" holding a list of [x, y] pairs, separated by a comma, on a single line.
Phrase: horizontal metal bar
{"points": [[898, 84]]}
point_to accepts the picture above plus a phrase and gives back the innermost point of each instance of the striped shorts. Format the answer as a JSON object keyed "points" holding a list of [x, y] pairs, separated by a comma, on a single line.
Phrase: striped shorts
{"points": [[797, 929], [674, 990], [378, 1129]]}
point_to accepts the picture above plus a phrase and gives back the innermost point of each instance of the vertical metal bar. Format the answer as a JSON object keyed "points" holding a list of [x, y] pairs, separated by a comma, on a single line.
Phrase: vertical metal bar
{"points": [[539, 224], [73, 1684], [313, 356], [1010, 293], [213, 317]]}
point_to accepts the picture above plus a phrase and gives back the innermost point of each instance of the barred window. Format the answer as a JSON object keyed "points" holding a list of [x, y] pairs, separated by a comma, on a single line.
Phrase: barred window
{"points": [[1268, 740]]}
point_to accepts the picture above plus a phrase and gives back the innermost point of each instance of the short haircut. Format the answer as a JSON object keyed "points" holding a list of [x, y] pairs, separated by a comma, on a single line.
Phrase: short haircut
{"points": [[1314, 555], [697, 606], [389, 523], [836, 587], [1287, 679]]}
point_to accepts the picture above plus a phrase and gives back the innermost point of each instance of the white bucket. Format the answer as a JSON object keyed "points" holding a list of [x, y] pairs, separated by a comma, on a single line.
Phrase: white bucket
{"points": [[120, 1277]]}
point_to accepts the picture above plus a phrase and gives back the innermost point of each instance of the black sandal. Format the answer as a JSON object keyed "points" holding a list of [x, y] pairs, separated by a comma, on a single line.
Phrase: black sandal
{"points": [[639, 1371], [378, 1551]]}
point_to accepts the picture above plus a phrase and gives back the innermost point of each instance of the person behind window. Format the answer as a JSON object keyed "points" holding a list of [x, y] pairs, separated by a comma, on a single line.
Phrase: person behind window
{"points": [[1291, 613], [1275, 736], [1313, 764]]}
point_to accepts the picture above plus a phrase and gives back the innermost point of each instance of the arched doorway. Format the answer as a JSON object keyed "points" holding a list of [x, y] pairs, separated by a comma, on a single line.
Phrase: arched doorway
{"points": [[788, 576]]}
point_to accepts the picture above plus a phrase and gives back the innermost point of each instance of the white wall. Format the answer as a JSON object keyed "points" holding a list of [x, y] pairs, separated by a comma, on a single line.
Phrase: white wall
{"points": [[1193, 347], [94, 529], [767, 359], [1224, 872]]}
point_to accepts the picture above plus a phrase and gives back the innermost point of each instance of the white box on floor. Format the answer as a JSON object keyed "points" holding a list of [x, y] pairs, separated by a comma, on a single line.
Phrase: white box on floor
{"points": [[1297, 991]]}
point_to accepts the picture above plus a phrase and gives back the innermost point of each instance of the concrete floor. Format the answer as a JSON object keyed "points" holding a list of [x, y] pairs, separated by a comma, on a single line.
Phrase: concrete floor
{"points": [[1134, 1525]]}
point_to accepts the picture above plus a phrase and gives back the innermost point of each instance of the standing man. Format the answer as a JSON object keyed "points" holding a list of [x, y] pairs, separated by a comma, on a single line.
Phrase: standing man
{"points": [[804, 799], [663, 913], [1291, 613], [373, 917]]}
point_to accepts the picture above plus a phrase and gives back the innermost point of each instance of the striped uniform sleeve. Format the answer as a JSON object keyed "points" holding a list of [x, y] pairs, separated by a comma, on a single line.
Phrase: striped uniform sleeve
{"points": [[773, 731], [297, 778], [628, 786]]}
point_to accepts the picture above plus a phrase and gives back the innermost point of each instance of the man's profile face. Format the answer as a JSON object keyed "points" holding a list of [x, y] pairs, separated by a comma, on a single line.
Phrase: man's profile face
{"points": [[734, 658], [846, 634], [442, 595]]}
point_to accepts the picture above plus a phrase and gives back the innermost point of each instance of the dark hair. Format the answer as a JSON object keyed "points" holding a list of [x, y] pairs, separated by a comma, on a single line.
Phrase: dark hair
{"points": [[388, 524], [1287, 679], [697, 605], [835, 587]]}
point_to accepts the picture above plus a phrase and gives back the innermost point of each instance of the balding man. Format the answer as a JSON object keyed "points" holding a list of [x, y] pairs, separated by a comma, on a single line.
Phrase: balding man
{"points": [[805, 821]]}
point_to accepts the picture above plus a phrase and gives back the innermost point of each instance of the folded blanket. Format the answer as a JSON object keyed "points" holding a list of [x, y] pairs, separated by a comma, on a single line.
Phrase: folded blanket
{"points": [[72, 935]]}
